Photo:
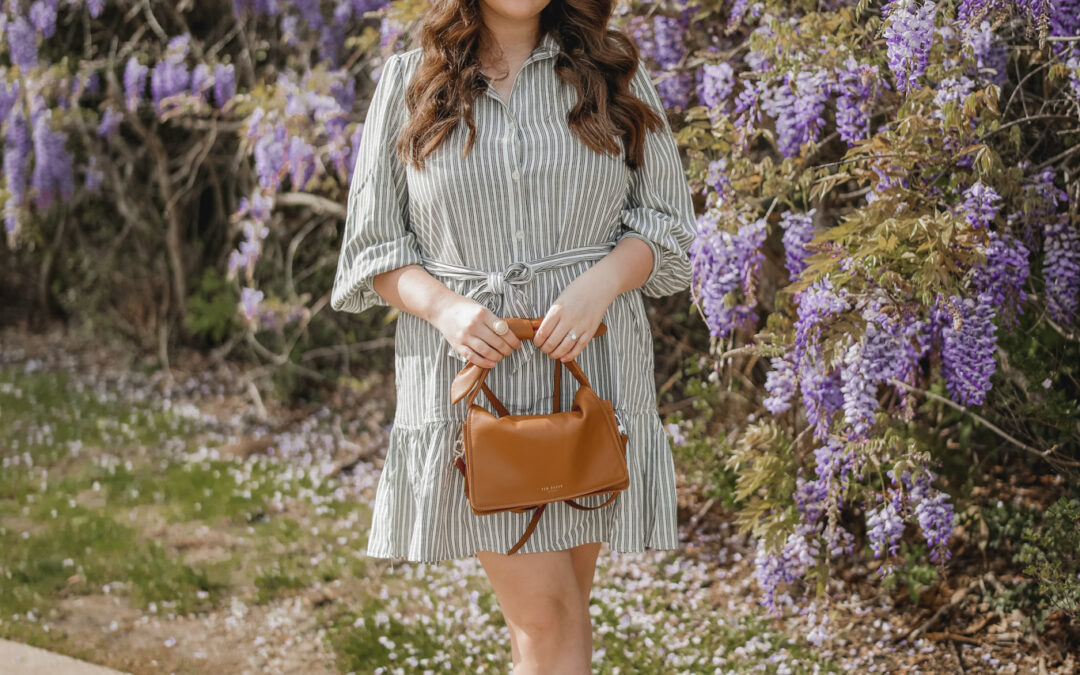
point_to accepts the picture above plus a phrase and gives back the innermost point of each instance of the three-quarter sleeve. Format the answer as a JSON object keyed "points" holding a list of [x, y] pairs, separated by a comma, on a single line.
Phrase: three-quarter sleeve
{"points": [[659, 208], [377, 236]]}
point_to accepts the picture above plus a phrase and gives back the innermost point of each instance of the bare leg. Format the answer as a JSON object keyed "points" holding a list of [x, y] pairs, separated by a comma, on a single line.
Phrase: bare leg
{"points": [[584, 560], [541, 601]]}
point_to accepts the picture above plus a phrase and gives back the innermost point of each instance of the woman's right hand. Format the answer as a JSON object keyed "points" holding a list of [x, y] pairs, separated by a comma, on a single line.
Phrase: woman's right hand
{"points": [[467, 326]]}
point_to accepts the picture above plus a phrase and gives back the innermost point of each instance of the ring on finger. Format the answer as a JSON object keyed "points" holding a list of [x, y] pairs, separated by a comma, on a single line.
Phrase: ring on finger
{"points": [[500, 327], [572, 335]]}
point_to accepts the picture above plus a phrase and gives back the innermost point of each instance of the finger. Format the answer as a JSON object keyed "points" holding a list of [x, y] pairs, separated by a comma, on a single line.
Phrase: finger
{"points": [[484, 349], [579, 347], [552, 338], [509, 338], [472, 357], [566, 348], [543, 331], [488, 335], [480, 360], [559, 343]]}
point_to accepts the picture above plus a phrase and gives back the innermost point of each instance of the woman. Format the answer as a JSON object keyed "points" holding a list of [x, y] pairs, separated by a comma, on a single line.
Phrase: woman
{"points": [[518, 163]]}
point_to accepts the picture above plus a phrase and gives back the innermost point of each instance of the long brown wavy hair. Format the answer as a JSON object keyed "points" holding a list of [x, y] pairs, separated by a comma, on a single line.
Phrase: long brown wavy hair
{"points": [[596, 61]]}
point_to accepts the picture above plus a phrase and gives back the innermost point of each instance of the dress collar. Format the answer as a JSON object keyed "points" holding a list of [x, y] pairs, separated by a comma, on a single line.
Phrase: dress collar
{"points": [[549, 45]]}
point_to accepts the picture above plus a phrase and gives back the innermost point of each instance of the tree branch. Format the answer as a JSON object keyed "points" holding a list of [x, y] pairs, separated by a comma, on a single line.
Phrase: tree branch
{"points": [[1042, 454]]}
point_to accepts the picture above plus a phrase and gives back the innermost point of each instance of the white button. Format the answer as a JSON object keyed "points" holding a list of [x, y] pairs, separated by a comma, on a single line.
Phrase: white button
{"points": [[515, 174], [520, 234], [512, 125]]}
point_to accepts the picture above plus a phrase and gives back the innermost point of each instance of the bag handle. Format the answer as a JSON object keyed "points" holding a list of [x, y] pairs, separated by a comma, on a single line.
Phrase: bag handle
{"points": [[571, 365], [470, 379]]}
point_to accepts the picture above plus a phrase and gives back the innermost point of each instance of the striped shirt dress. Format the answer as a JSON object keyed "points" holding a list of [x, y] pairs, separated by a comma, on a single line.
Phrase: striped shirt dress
{"points": [[510, 225]]}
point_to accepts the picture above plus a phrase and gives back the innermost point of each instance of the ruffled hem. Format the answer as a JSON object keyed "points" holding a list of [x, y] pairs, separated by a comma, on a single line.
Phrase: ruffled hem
{"points": [[421, 513]]}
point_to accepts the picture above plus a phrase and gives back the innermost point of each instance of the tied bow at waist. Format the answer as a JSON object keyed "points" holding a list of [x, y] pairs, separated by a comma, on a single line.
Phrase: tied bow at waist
{"points": [[499, 292]]}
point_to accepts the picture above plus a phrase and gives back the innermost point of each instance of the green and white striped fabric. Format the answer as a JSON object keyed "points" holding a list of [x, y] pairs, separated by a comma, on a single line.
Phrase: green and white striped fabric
{"points": [[528, 190]]}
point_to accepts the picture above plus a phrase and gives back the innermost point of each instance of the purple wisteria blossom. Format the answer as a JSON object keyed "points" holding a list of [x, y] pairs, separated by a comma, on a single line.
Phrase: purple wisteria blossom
{"points": [[201, 81], [302, 162], [258, 208], [748, 111], [885, 527], [1065, 18], [990, 52], [860, 377], [95, 7], [250, 299], [53, 175], [836, 464], [968, 344], [224, 83], [134, 83], [16, 163], [250, 248], [171, 75], [724, 264], [798, 231], [663, 39], [9, 94], [888, 349], [798, 106], [110, 122], [723, 192], [933, 511], [1003, 274], [971, 11], [717, 85], [856, 89], [816, 303], [781, 383], [1061, 269], [43, 16], [736, 13], [795, 557], [822, 392], [270, 157], [821, 386], [1042, 199], [909, 31], [981, 205], [22, 43]]}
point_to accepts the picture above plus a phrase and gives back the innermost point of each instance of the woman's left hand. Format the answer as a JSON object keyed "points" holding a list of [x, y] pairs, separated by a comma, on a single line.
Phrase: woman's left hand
{"points": [[580, 307]]}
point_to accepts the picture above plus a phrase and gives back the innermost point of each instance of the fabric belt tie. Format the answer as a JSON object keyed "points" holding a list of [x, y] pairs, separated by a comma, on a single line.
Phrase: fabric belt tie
{"points": [[499, 292]]}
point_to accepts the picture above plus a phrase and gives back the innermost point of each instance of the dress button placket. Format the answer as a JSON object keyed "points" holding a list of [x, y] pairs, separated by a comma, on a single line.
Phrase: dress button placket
{"points": [[513, 165], [513, 161]]}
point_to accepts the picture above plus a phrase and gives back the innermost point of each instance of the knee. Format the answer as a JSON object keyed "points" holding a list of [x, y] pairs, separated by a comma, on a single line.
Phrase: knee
{"points": [[551, 617]]}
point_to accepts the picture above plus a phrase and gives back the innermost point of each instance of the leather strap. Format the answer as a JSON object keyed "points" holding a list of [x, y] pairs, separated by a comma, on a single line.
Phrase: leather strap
{"points": [[528, 530], [496, 403], [555, 398], [571, 502], [479, 385]]}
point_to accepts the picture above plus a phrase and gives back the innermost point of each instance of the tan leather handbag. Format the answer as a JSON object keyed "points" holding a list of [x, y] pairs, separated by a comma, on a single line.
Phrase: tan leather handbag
{"points": [[522, 462]]}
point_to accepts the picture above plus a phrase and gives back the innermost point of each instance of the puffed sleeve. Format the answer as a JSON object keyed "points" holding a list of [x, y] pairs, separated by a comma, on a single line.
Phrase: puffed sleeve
{"points": [[658, 207], [377, 236]]}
